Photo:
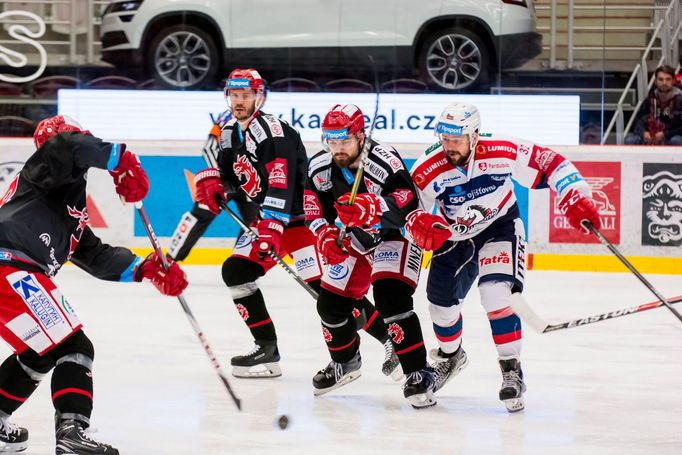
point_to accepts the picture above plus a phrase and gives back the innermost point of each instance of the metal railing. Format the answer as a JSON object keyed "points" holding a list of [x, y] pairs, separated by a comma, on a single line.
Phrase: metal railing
{"points": [[668, 31]]}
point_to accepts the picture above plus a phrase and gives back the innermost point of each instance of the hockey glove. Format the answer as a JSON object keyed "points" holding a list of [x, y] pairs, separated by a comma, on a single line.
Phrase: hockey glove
{"points": [[210, 189], [269, 237], [171, 282], [579, 208], [364, 211], [429, 232], [328, 248], [131, 181]]}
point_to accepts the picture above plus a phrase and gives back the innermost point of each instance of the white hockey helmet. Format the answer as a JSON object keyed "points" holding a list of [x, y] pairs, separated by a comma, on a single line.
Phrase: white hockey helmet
{"points": [[458, 119]]}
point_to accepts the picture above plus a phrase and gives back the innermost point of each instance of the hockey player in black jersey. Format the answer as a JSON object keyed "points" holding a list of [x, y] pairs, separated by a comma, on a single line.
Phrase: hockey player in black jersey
{"points": [[43, 224], [194, 223], [264, 158], [374, 252]]}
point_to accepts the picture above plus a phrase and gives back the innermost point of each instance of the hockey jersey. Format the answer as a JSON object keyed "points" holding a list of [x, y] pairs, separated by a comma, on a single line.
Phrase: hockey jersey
{"points": [[472, 198], [43, 214], [267, 162], [384, 175]]}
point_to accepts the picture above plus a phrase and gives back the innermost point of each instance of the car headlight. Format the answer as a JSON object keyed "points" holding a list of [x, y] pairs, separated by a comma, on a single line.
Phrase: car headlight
{"points": [[122, 7]]}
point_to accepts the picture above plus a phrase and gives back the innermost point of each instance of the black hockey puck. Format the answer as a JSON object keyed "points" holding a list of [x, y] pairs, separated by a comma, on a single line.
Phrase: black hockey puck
{"points": [[283, 422]]}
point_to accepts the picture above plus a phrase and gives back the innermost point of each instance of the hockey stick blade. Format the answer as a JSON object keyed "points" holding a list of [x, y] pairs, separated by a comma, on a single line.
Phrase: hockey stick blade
{"points": [[272, 254], [183, 303]]}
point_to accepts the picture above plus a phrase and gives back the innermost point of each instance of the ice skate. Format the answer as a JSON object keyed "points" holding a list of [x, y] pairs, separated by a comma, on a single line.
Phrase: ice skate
{"points": [[72, 440], [419, 388], [336, 375], [513, 386], [12, 437], [447, 366], [261, 362], [391, 364]]}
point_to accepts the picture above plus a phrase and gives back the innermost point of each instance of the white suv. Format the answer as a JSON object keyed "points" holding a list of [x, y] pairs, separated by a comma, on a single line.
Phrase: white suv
{"points": [[454, 44]]}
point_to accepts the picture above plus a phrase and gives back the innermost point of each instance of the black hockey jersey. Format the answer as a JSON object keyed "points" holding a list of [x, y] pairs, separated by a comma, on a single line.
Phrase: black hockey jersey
{"points": [[268, 163], [384, 175], [43, 214]]}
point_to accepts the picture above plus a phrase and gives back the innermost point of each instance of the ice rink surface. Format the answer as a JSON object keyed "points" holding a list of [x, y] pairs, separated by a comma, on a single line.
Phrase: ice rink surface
{"points": [[613, 387]]}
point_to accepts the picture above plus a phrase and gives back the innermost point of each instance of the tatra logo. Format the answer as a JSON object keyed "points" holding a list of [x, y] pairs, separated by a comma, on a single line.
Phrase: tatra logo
{"points": [[250, 180], [502, 258]]}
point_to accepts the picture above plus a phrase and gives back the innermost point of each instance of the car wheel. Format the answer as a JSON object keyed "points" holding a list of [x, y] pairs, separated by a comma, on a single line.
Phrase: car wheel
{"points": [[454, 59], [183, 56]]}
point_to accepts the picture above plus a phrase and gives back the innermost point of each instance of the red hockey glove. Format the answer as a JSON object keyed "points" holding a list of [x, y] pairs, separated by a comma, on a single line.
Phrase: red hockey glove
{"points": [[328, 248], [428, 231], [364, 211], [269, 237], [131, 181], [578, 208], [171, 282], [210, 189]]}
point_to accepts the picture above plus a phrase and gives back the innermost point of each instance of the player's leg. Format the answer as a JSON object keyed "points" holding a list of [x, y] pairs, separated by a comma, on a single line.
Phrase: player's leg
{"points": [[453, 271], [502, 263], [342, 285], [395, 274], [240, 273]]}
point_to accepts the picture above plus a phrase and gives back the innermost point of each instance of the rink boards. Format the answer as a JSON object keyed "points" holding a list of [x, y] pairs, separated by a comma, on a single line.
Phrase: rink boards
{"points": [[638, 191]]}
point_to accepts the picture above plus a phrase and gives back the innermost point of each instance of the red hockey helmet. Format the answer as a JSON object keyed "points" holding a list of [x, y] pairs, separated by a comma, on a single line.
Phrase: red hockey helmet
{"points": [[52, 126], [245, 79], [342, 121]]}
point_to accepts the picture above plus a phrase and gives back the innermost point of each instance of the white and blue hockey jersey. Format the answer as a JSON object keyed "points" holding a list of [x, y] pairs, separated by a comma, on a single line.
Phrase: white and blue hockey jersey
{"points": [[473, 197]]}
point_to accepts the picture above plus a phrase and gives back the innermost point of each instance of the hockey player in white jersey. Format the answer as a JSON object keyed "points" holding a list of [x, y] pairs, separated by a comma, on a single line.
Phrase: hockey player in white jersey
{"points": [[477, 232]]}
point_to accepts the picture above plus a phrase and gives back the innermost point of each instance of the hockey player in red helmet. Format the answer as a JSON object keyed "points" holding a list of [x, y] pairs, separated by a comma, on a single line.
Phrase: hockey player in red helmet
{"points": [[245, 93], [373, 253], [43, 224]]}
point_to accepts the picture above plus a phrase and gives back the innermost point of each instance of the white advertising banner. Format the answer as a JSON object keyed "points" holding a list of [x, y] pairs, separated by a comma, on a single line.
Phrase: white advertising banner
{"points": [[403, 118]]}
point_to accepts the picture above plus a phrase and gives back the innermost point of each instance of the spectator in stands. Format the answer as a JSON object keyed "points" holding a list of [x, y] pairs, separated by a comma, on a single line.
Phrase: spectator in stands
{"points": [[660, 122]]}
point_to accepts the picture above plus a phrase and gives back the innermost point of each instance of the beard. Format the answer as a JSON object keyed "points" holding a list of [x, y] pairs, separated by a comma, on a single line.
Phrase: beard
{"points": [[243, 114]]}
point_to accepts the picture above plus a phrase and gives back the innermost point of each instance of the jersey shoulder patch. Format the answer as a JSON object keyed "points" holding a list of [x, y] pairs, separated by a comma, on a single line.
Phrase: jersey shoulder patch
{"points": [[389, 156], [274, 125], [433, 148]]}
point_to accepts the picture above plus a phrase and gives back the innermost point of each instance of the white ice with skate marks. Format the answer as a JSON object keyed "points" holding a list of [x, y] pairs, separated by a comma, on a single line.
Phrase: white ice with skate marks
{"points": [[607, 388]]}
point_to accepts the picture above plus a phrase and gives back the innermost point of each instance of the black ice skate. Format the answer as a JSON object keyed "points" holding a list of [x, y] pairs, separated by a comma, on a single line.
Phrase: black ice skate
{"points": [[261, 362], [72, 440], [512, 384], [419, 388], [447, 366], [336, 375], [12, 438], [391, 362]]}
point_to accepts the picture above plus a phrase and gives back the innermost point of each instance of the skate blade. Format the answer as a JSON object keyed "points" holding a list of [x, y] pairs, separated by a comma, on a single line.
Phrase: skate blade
{"points": [[422, 400], [345, 379], [263, 370], [12, 447], [514, 404]]}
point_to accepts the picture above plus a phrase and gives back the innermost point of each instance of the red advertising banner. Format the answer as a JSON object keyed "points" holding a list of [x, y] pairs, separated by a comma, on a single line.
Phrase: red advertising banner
{"points": [[604, 179]]}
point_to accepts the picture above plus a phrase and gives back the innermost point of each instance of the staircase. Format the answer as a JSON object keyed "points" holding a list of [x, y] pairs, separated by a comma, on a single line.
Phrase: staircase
{"points": [[607, 35]]}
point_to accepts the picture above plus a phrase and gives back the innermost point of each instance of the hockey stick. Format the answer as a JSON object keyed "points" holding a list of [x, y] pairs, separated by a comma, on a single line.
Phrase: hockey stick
{"points": [[539, 325], [364, 153], [272, 254], [192, 320], [630, 267]]}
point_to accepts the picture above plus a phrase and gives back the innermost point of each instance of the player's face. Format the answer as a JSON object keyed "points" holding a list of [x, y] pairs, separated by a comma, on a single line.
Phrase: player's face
{"points": [[242, 102], [456, 148], [345, 151]]}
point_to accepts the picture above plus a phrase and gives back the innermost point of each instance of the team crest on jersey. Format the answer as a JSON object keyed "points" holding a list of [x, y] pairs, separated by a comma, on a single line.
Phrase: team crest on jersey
{"points": [[542, 158], [11, 189], [243, 312], [473, 215], [277, 173], [311, 205], [82, 217], [327, 335], [322, 180], [372, 187], [396, 333], [248, 176], [402, 197]]}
